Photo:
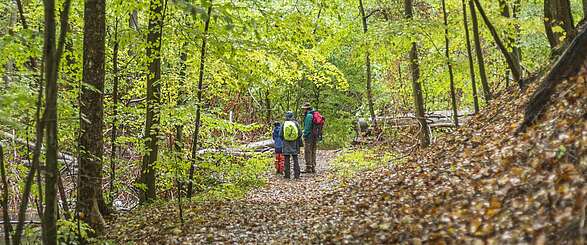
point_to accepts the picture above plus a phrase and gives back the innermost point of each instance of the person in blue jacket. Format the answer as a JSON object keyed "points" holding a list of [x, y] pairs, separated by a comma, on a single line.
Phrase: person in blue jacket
{"points": [[278, 144], [291, 147]]}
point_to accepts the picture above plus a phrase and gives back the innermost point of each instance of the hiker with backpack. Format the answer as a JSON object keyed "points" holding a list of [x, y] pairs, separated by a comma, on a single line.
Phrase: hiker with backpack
{"points": [[313, 124], [291, 134], [278, 144]]}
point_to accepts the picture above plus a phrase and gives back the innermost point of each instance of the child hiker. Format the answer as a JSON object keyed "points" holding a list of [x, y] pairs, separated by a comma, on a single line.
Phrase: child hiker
{"points": [[278, 142]]}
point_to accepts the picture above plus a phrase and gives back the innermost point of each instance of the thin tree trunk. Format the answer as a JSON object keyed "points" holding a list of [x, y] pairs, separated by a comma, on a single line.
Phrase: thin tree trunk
{"points": [[479, 52], [368, 67], [40, 192], [199, 102], [52, 54], [453, 96], [416, 87], [21, 14], [470, 59], [517, 50], [557, 13], [516, 70], [148, 176], [268, 106], [25, 26], [114, 133], [510, 40], [63, 196], [5, 215], [39, 130], [51, 68], [179, 129]]}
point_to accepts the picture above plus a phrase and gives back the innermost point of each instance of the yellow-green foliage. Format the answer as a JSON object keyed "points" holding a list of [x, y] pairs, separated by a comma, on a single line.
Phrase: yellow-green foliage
{"points": [[350, 162], [233, 177]]}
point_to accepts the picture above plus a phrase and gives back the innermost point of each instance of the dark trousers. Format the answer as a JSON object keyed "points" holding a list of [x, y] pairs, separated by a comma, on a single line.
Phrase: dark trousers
{"points": [[310, 154], [296, 166]]}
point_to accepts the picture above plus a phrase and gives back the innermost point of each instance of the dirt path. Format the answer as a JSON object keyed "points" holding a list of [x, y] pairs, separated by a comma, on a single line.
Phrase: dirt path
{"points": [[269, 215], [281, 190]]}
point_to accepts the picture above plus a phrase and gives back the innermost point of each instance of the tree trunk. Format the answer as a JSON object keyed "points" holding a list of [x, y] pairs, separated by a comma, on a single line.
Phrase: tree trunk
{"points": [[199, 103], [63, 196], [268, 106], [5, 215], [453, 96], [179, 129], [368, 67], [114, 133], [517, 50], [148, 176], [557, 13], [181, 99], [515, 69], [25, 26], [39, 130], [92, 114], [52, 54], [510, 41], [416, 87], [470, 59], [568, 65], [479, 52]]}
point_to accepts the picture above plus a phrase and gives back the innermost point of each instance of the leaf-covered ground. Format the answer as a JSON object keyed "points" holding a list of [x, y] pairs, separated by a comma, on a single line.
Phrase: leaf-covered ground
{"points": [[480, 184]]}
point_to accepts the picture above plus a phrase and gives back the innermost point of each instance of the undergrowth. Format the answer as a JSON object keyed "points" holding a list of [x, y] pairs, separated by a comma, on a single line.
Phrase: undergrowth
{"points": [[352, 162]]}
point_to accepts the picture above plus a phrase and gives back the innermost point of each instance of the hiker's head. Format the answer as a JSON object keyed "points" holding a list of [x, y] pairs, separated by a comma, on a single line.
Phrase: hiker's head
{"points": [[289, 115], [276, 124], [307, 107]]}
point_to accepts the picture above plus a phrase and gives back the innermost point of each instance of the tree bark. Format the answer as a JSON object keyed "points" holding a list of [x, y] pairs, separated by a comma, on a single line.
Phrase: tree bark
{"points": [[453, 96], [416, 87], [516, 70], [52, 53], [470, 59], [92, 115], [480, 60], [195, 138], [148, 175], [568, 65], [5, 215], [557, 13], [368, 67], [516, 49]]}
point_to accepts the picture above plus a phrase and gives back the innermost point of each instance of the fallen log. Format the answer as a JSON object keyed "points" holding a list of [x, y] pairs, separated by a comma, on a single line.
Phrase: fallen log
{"points": [[30, 222], [31, 145]]}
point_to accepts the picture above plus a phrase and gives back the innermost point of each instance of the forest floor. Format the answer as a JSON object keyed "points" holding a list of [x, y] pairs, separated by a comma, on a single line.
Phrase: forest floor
{"points": [[276, 212], [480, 184]]}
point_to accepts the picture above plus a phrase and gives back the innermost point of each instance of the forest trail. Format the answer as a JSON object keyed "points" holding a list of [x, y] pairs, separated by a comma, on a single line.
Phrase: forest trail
{"points": [[276, 213], [281, 211], [279, 190]]}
